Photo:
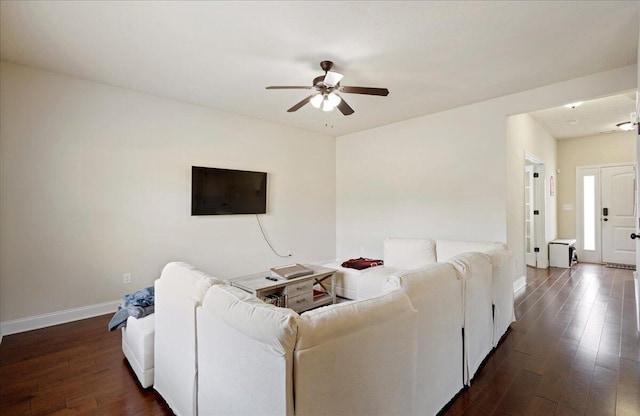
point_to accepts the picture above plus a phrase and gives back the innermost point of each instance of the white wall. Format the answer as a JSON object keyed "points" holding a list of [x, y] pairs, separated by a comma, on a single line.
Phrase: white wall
{"points": [[527, 136], [423, 177], [445, 175], [95, 181], [602, 149]]}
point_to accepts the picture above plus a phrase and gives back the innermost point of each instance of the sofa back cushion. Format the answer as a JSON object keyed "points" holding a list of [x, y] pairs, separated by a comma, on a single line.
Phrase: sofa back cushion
{"points": [[446, 249], [409, 253], [245, 355], [275, 327], [184, 279], [357, 358]]}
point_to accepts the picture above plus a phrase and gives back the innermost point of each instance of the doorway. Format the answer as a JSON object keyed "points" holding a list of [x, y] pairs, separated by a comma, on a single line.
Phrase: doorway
{"points": [[534, 215], [606, 212]]}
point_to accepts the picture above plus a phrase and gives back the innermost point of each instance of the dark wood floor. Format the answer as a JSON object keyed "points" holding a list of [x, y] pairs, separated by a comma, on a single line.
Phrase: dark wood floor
{"points": [[574, 351]]}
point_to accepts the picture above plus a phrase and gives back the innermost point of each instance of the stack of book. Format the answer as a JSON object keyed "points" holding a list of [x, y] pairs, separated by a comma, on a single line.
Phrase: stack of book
{"points": [[290, 271], [276, 299]]}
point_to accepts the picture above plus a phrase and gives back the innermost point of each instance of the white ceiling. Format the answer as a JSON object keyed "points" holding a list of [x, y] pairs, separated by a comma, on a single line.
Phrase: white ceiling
{"points": [[432, 55], [589, 119]]}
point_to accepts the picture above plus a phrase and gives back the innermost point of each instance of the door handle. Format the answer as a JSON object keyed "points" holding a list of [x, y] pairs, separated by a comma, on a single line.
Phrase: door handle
{"points": [[634, 236], [605, 211]]}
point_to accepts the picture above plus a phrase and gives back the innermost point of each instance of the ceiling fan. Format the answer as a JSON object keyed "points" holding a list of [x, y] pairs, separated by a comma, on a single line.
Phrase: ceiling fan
{"points": [[325, 89]]}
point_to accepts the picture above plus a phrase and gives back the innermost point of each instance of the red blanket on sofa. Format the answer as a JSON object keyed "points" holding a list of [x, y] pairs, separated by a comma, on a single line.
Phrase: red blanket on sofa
{"points": [[361, 263]]}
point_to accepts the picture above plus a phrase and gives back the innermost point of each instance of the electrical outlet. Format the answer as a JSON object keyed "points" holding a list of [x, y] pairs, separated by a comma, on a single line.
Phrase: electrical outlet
{"points": [[126, 278]]}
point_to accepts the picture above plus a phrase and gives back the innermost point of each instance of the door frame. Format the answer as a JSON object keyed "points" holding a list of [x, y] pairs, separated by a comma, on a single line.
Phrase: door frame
{"points": [[539, 203], [596, 255]]}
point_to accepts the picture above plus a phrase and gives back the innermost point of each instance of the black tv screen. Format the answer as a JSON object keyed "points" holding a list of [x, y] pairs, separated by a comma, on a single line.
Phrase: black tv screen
{"points": [[224, 191]]}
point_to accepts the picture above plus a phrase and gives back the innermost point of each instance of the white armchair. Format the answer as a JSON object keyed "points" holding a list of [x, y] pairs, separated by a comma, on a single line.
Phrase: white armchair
{"points": [[178, 291]]}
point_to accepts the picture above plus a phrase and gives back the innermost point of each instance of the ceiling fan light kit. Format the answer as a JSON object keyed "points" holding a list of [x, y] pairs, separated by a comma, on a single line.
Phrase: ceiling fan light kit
{"points": [[326, 102], [626, 126], [326, 87]]}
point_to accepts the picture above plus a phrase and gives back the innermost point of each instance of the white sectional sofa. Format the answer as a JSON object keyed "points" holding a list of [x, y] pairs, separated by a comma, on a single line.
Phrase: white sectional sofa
{"points": [[416, 333]]}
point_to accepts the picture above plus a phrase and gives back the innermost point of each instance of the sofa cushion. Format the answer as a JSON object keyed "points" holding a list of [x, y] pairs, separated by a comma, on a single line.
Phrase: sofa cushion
{"points": [[409, 253], [187, 280], [322, 325], [446, 249], [371, 283], [268, 324]]}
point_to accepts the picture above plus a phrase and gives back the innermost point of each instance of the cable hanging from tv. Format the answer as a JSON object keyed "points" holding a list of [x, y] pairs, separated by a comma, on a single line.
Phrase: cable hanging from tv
{"points": [[268, 242]]}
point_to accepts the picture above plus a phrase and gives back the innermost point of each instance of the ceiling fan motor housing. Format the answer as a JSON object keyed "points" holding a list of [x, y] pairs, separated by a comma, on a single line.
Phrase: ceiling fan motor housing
{"points": [[326, 65]]}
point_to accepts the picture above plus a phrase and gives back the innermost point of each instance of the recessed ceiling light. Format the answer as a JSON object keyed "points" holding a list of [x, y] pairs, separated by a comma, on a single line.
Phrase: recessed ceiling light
{"points": [[626, 126], [574, 105]]}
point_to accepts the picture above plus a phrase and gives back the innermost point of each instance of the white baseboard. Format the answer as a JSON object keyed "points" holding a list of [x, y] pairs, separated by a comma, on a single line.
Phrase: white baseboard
{"points": [[55, 318], [519, 283]]}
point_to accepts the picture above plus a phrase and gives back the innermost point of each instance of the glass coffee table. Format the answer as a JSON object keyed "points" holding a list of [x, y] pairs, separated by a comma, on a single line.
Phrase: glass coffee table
{"points": [[300, 293]]}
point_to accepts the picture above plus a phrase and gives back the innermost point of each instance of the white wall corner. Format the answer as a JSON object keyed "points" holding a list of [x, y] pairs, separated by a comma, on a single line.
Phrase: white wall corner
{"points": [[56, 318], [325, 261], [519, 283]]}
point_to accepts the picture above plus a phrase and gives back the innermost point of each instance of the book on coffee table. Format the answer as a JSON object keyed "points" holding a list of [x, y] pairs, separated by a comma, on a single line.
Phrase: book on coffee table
{"points": [[290, 271]]}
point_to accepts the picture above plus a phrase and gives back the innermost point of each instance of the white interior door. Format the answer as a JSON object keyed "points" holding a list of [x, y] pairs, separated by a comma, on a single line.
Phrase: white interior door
{"points": [[618, 214], [529, 220]]}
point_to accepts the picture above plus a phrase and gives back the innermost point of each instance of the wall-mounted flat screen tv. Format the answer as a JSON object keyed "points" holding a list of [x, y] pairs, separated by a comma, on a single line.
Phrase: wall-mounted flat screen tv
{"points": [[225, 191]]}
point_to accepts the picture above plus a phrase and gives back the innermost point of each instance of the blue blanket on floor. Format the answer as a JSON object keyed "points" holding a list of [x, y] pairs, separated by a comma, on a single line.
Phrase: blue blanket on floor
{"points": [[137, 304]]}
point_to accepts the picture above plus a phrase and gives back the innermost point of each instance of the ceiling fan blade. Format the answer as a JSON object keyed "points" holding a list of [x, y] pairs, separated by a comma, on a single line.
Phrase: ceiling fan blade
{"points": [[365, 90], [300, 104], [331, 79], [277, 87], [344, 107]]}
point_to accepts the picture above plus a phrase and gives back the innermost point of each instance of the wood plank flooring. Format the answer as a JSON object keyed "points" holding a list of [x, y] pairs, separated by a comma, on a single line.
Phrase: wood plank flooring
{"points": [[71, 369], [573, 351]]}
